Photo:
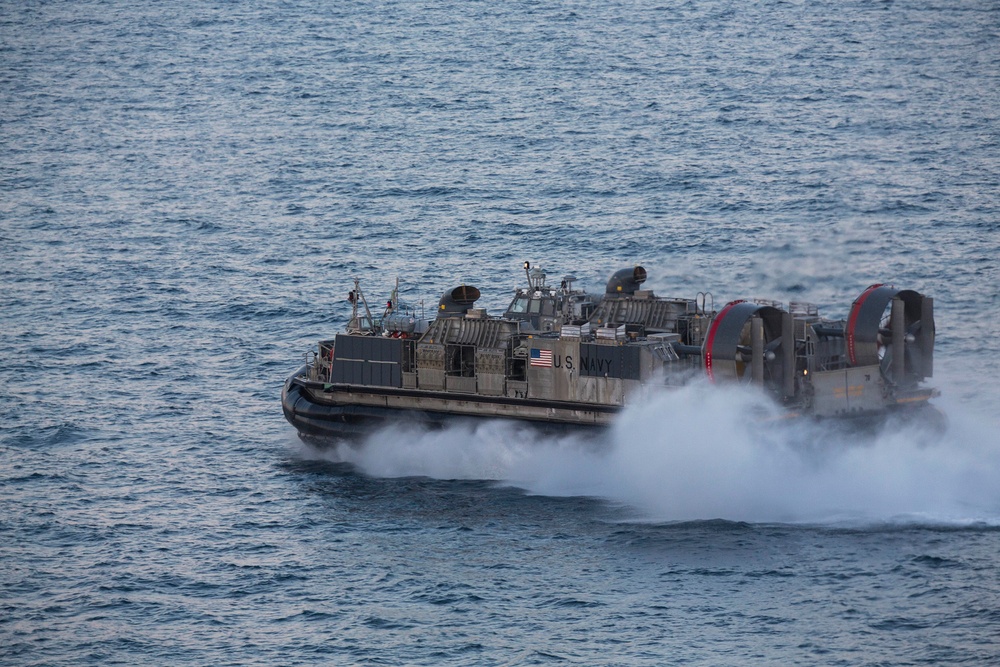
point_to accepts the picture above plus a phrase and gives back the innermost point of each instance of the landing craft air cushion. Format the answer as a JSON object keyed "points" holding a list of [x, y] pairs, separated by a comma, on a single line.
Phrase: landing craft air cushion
{"points": [[559, 356]]}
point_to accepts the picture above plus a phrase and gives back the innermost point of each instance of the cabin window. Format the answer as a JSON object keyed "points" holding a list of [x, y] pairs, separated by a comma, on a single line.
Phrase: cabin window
{"points": [[534, 305], [548, 307], [520, 305]]}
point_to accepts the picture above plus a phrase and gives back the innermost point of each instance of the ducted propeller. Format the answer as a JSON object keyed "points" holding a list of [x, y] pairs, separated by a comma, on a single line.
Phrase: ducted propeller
{"points": [[894, 329], [744, 343]]}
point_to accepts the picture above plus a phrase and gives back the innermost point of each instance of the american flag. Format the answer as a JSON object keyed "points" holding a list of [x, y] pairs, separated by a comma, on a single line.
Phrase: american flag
{"points": [[541, 358]]}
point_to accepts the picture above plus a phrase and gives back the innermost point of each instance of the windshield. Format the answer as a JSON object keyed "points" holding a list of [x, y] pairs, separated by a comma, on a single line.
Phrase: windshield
{"points": [[520, 305]]}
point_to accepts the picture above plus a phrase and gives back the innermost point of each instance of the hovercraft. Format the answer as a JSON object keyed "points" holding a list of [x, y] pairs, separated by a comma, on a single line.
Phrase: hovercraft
{"points": [[561, 357]]}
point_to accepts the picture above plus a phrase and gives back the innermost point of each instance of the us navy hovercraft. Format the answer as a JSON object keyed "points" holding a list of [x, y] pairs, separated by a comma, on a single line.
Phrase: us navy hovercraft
{"points": [[561, 357]]}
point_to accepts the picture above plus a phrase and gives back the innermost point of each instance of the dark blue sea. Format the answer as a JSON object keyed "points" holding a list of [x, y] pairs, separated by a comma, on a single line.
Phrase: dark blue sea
{"points": [[188, 189]]}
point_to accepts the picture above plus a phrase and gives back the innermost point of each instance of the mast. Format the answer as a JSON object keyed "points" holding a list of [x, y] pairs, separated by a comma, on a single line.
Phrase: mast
{"points": [[356, 324]]}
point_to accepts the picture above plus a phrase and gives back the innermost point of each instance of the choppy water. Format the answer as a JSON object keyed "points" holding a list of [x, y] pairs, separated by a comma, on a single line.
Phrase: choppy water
{"points": [[186, 190]]}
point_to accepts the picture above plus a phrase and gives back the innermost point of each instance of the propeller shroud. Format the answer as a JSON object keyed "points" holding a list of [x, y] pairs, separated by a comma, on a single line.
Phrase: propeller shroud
{"points": [[871, 329], [728, 347]]}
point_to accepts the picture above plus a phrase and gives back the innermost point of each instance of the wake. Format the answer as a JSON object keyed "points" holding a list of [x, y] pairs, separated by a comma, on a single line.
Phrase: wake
{"points": [[705, 452]]}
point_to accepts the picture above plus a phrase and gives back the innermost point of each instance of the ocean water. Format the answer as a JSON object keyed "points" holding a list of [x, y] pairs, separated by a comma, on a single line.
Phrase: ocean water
{"points": [[188, 189]]}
